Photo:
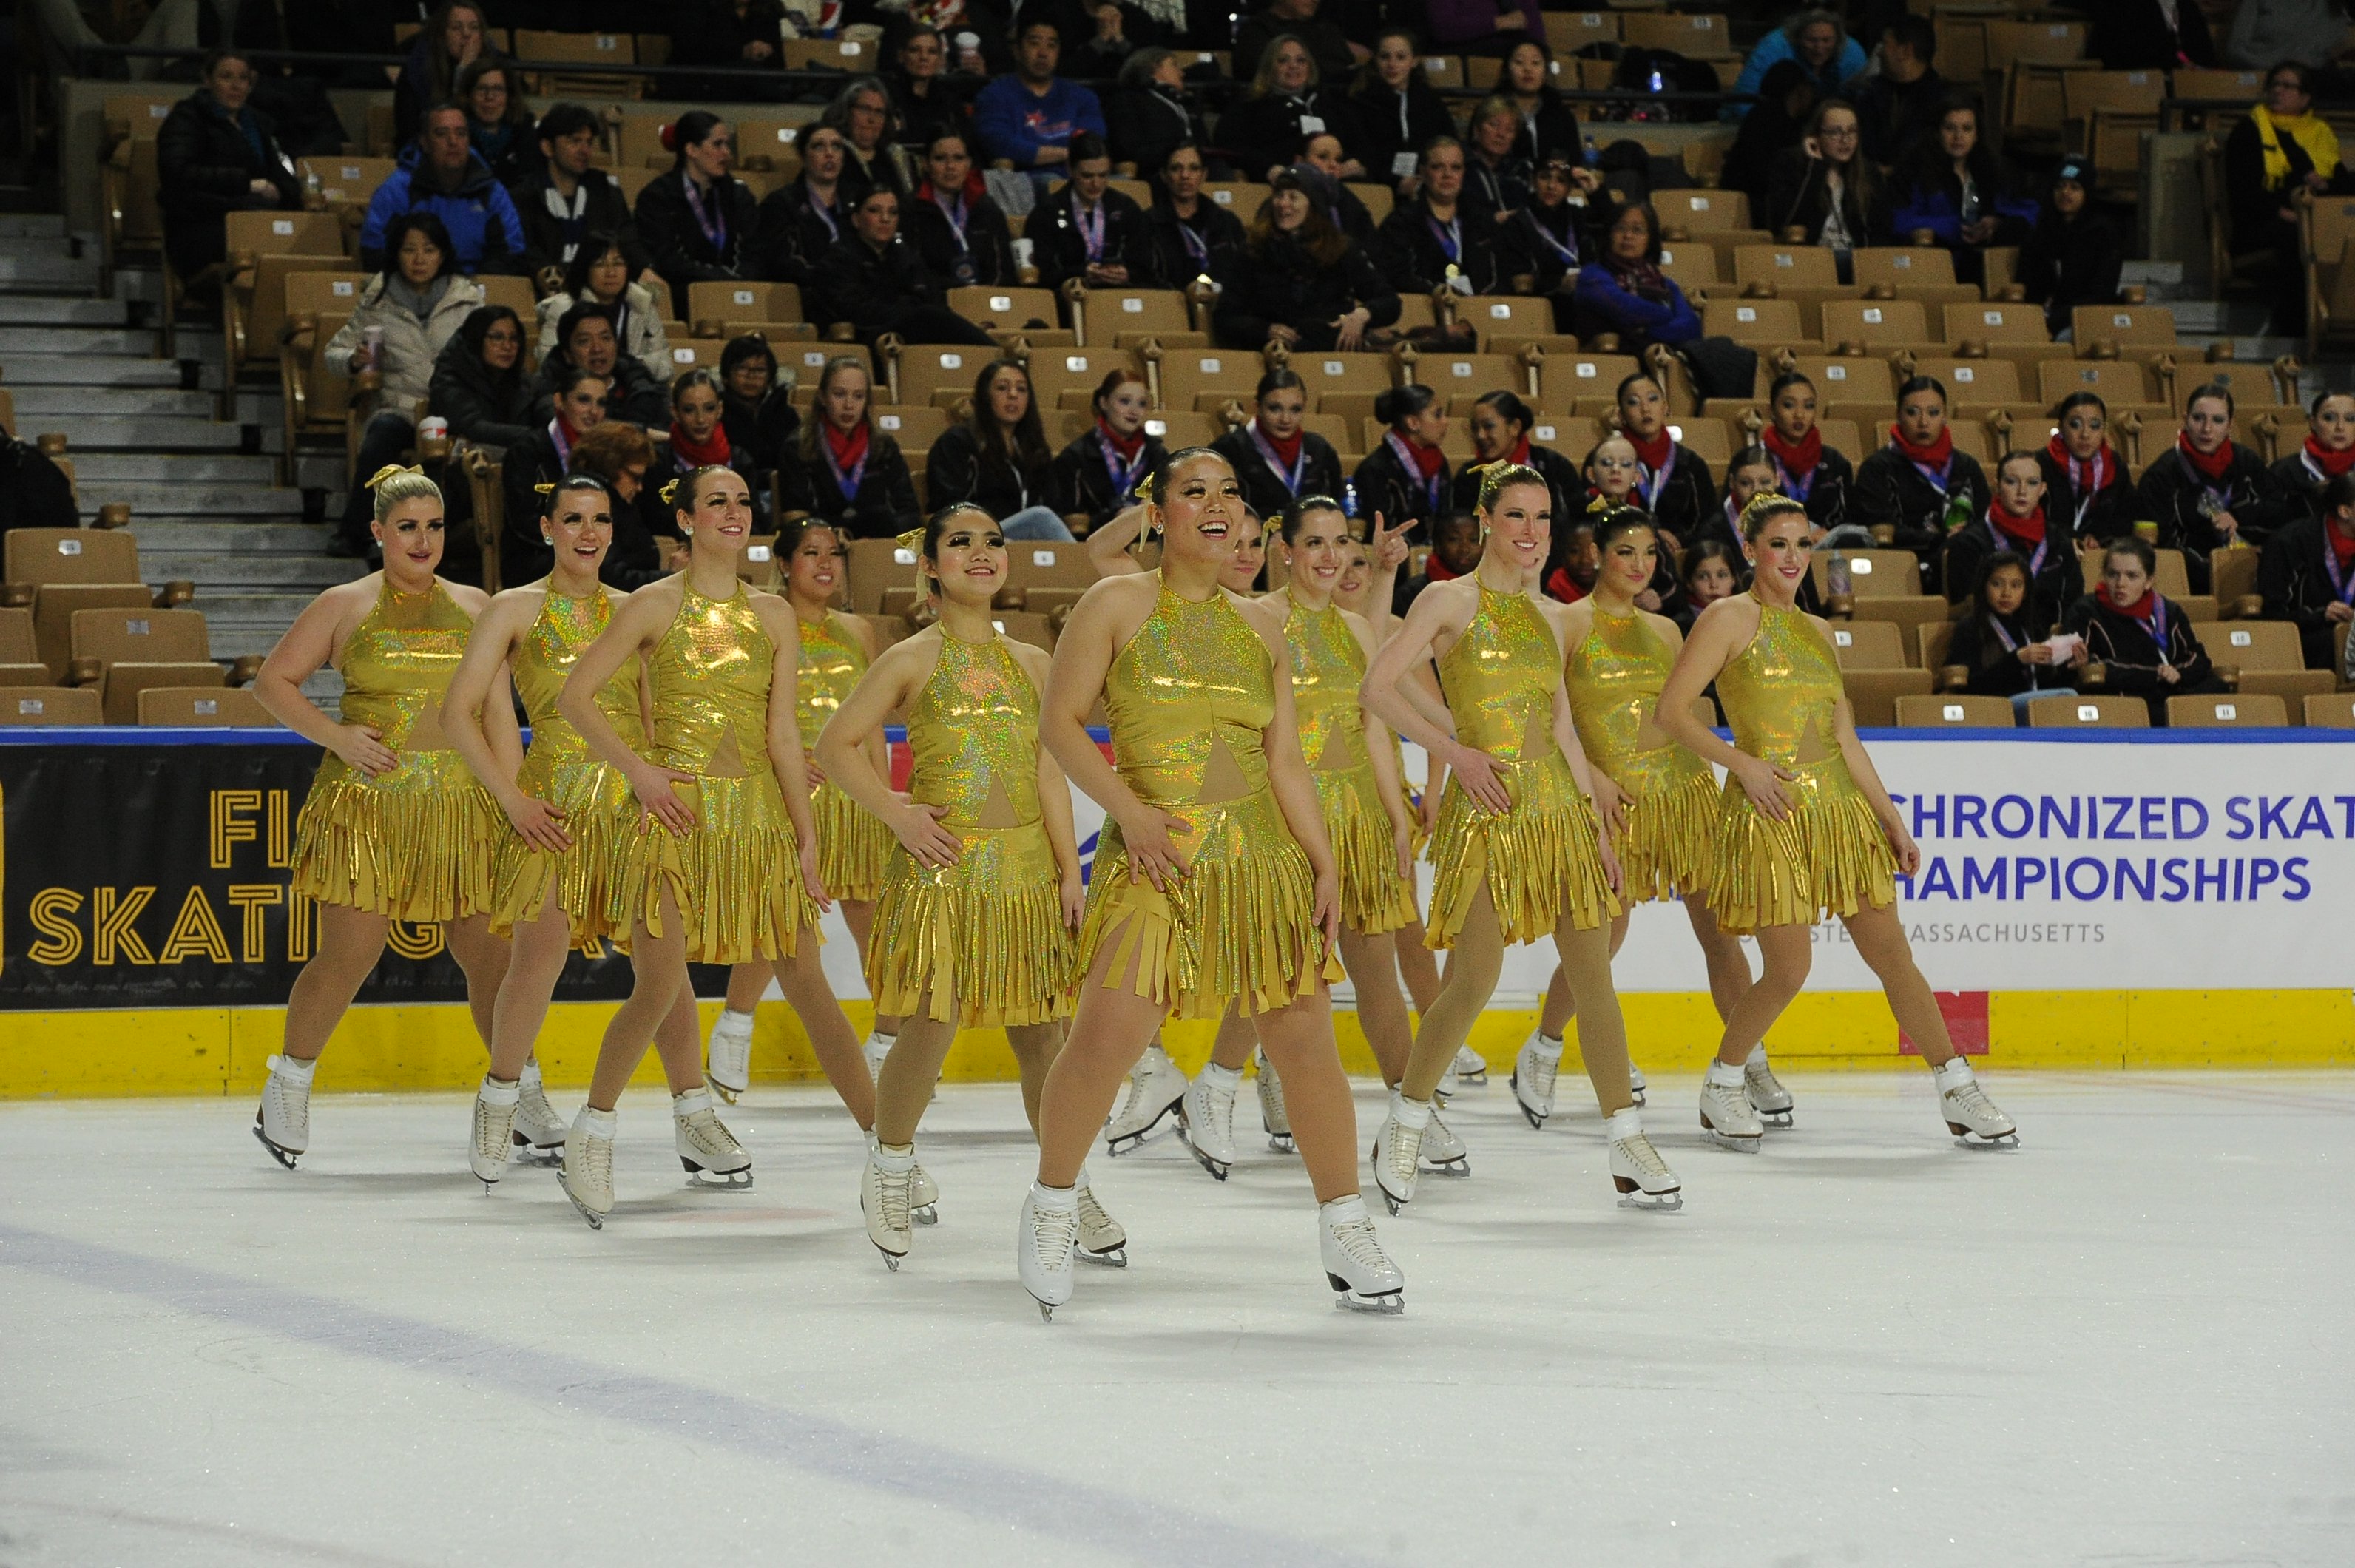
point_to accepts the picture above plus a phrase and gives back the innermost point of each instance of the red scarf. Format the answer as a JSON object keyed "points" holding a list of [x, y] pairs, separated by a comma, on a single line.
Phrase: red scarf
{"points": [[1428, 460], [2091, 475], [2140, 609], [1438, 571], [1286, 449], [976, 187], [1559, 585], [2332, 463], [1128, 446], [571, 436], [2028, 532], [2210, 466], [849, 448], [1937, 454], [1520, 453], [2341, 545], [688, 455], [1799, 459], [1657, 453]]}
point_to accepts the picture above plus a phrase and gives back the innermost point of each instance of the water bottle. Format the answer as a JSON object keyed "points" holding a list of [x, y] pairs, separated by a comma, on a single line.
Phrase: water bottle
{"points": [[1349, 498], [1839, 581], [1660, 82], [1958, 510]]}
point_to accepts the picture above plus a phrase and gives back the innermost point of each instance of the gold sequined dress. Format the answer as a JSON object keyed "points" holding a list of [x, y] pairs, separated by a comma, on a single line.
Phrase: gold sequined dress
{"points": [[1616, 675], [988, 929], [737, 874], [1781, 695], [1541, 859], [1328, 663], [852, 845], [415, 844], [600, 814], [1189, 697]]}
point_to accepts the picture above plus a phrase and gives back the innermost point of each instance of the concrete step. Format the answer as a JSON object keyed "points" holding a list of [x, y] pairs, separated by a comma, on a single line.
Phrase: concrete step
{"points": [[22, 370], [161, 468], [225, 536], [158, 433], [26, 269], [241, 571], [132, 340], [46, 310], [32, 226], [118, 401], [194, 502]]}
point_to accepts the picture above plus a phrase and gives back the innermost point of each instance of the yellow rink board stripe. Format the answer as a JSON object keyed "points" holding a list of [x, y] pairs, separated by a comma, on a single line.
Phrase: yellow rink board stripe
{"points": [[221, 1050]]}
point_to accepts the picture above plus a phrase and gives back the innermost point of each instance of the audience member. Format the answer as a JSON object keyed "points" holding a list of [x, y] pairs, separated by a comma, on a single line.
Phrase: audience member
{"points": [[2015, 521], [2085, 485], [1748, 473], [2210, 492], [579, 407], [1825, 189], [499, 127], [1955, 194], [1545, 241], [2149, 35], [1267, 128], [1672, 482], [34, 491], [699, 428], [1773, 127], [1918, 485], [1087, 230], [931, 101], [1189, 235], [842, 471], [598, 273], [800, 221], [1432, 238], [2282, 147], [586, 337], [1327, 46], [453, 36], [566, 197], [1153, 111], [2328, 450], [1502, 425], [1348, 214], [623, 456], [1406, 477], [1482, 27], [2310, 32], [731, 35], [756, 405], [2074, 255], [1029, 118], [1813, 475], [997, 457], [697, 219], [2141, 638], [1622, 291], [878, 284], [1549, 127], [1708, 571], [1900, 105], [1301, 282], [1455, 552], [1496, 172], [2003, 644], [957, 231], [2308, 573], [1576, 563], [1394, 111], [214, 154], [1097, 475], [1817, 41], [478, 383], [439, 173], [1276, 461], [872, 156]]}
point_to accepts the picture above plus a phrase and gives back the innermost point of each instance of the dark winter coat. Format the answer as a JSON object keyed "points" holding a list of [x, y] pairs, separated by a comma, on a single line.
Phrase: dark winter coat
{"points": [[1382, 127], [761, 431], [483, 408], [1889, 489], [955, 472], [205, 164], [2294, 575], [1800, 195], [2124, 647], [34, 491], [1080, 482], [1284, 283], [2301, 482], [790, 233], [524, 555], [885, 503], [1219, 231], [1061, 251], [549, 241], [2172, 494], [1496, 188], [1830, 500], [1523, 247], [1263, 489], [985, 257], [2107, 514], [1997, 670], [1143, 124], [1258, 133], [709, 32], [2053, 586], [872, 289], [633, 394], [1387, 486], [1684, 500], [2067, 263], [683, 253], [1409, 250]]}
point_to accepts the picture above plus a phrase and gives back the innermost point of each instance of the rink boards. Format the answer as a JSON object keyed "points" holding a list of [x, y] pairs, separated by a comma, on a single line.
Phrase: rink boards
{"points": [[2159, 900]]}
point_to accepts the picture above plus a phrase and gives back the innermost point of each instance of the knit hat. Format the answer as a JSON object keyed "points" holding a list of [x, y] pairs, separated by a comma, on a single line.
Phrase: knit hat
{"points": [[2074, 171]]}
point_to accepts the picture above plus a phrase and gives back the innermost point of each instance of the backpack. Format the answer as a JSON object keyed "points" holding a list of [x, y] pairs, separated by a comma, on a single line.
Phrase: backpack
{"points": [[1648, 71]]}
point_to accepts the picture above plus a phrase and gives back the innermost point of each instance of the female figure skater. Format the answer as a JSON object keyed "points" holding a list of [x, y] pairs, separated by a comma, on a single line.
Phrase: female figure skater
{"points": [[1520, 852], [394, 827], [1659, 798], [982, 895], [835, 650], [552, 888], [1804, 827], [726, 870], [1213, 880]]}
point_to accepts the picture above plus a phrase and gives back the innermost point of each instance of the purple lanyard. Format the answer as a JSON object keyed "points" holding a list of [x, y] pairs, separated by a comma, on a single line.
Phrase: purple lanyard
{"points": [[2003, 541], [847, 482], [2010, 643], [1196, 246], [1648, 483], [2156, 625], [956, 214], [563, 447], [1569, 253], [1292, 477], [2342, 581], [1938, 477], [1092, 229], [1415, 470], [1450, 236], [712, 220], [1123, 476], [826, 215], [1791, 483]]}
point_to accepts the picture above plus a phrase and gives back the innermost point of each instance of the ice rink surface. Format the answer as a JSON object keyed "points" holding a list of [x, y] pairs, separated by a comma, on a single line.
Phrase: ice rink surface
{"points": [[2126, 1343]]}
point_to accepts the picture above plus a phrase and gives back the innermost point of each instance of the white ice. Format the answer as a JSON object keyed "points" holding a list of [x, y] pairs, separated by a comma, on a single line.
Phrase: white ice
{"points": [[2126, 1343]]}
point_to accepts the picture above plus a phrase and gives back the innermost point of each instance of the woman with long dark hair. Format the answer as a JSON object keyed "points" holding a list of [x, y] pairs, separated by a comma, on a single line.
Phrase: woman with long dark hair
{"points": [[478, 382], [1547, 127], [697, 221], [2084, 481], [1100, 473], [998, 458], [958, 231], [1407, 477], [1957, 195], [1917, 484], [1827, 187], [2328, 451], [454, 36], [2002, 642], [1501, 425], [1278, 462], [841, 469], [1300, 280], [598, 273]]}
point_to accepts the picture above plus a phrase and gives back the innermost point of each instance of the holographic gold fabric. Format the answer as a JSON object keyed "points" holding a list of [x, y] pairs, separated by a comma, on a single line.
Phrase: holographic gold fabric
{"points": [[737, 873], [1328, 663], [1615, 676], [600, 812], [989, 929], [1542, 860], [852, 845], [1782, 696], [1189, 697], [417, 843]]}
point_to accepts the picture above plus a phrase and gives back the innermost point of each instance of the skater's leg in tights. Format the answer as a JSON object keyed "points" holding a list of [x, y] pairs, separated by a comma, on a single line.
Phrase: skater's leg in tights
{"points": [[350, 942], [1786, 952], [1602, 1032], [1108, 1033], [1560, 1007], [678, 1041], [483, 959], [658, 967], [541, 945], [1381, 1011], [802, 979], [1418, 965], [1473, 965], [1880, 938], [860, 915], [1721, 953], [904, 1087], [1035, 1048], [1299, 1044], [1236, 1038], [747, 983]]}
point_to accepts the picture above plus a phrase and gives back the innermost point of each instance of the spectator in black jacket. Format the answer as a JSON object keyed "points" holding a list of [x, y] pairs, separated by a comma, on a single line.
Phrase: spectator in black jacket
{"points": [[959, 234], [1326, 44], [1300, 280], [2148, 35], [1089, 231], [840, 469], [872, 156], [998, 459], [878, 284], [2328, 453], [1152, 113], [1275, 460], [697, 221], [2004, 642], [2281, 147], [1496, 173], [2142, 638], [2085, 485], [478, 382], [2015, 520], [2308, 574], [1191, 236], [1435, 237], [1268, 128], [1350, 215], [800, 221], [1813, 475], [929, 100], [1501, 423], [585, 338], [1097, 475], [734, 34], [1672, 482], [567, 198], [1918, 486], [34, 491], [1546, 241], [1406, 478], [453, 36], [2210, 492], [1900, 105], [2074, 255], [216, 155], [542, 459], [1394, 113], [1773, 127], [756, 407], [1827, 188], [1548, 128], [498, 126]]}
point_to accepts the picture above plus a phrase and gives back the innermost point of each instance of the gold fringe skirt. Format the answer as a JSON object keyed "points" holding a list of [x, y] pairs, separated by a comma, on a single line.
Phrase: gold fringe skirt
{"points": [[736, 875], [1828, 857], [988, 932], [415, 844], [1374, 898], [600, 815], [1669, 845], [853, 845], [1239, 926], [1540, 861]]}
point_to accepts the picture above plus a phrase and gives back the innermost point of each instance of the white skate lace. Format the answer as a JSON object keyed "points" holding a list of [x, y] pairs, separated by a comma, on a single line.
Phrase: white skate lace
{"points": [[1728, 1107], [1542, 1077], [291, 1107], [1406, 1148], [532, 1107], [1053, 1234], [1640, 1154], [490, 1134], [1221, 1103], [1762, 1082], [596, 1166], [1270, 1093], [1135, 1101], [1094, 1218], [1438, 1137], [710, 1135], [1976, 1108], [891, 1187], [1357, 1241]]}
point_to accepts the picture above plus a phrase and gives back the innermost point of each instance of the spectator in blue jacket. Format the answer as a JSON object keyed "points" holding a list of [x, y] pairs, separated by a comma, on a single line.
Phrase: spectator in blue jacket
{"points": [[1955, 194], [1030, 118], [1622, 291], [1814, 39], [440, 174]]}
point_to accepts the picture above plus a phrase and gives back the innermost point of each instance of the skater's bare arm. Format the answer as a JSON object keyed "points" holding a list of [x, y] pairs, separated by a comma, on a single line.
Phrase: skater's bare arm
{"points": [[1055, 799], [1876, 794], [785, 731], [1108, 548], [306, 648], [636, 625], [842, 752], [478, 716], [1107, 615], [1287, 775]]}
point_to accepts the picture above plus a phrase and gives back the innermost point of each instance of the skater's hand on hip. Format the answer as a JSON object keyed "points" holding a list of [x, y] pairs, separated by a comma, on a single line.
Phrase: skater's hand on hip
{"points": [[1901, 845], [362, 746], [812, 772], [540, 824], [1075, 900], [1610, 802], [1763, 781], [658, 801], [1477, 771], [1612, 870], [1327, 910], [920, 831], [810, 877], [1146, 833], [1402, 843]]}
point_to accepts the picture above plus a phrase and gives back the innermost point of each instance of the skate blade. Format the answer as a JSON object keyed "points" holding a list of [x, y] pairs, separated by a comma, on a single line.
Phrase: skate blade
{"points": [[890, 1259], [717, 1180], [1738, 1144], [1639, 1096], [1389, 1303], [1652, 1202], [1536, 1119], [285, 1156], [1280, 1142], [728, 1093], [596, 1220], [1440, 1092], [929, 1214], [1111, 1257], [1480, 1077], [1779, 1120], [1128, 1142], [548, 1159], [1218, 1172], [1456, 1167], [1964, 1138]]}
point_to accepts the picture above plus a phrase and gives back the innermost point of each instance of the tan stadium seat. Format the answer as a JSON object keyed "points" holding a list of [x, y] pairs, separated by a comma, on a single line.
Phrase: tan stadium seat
{"points": [[994, 309], [1106, 315], [1923, 272], [1906, 612], [1874, 573], [1493, 317], [581, 54], [1757, 324], [264, 249], [48, 704], [347, 182], [1892, 324], [2233, 577], [1698, 37], [915, 427], [20, 659], [2104, 116], [1337, 372], [1241, 198], [1476, 373], [2237, 712], [1377, 198], [1026, 626], [1786, 266], [1873, 694], [697, 354], [1932, 638], [1844, 381], [2039, 43], [1692, 267], [2333, 710], [1702, 211], [1052, 370], [56, 604], [1182, 428], [1973, 382], [1708, 439], [840, 54], [723, 302], [1567, 32], [2087, 712], [1852, 439], [1041, 563], [132, 221], [196, 707], [1994, 322], [123, 652], [1953, 711], [2120, 383], [2128, 326], [1443, 71], [1571, 436], [1868, 645], [925, 370], [2268, 653], [808, 360], [875, 567], [43, 556], [1185, 374]]}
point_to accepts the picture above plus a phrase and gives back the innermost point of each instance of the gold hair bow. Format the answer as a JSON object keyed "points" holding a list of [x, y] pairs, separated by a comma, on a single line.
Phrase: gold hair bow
{"points": [[546, 486], [1145, 488], [669, 494], [390, 471], [913, 540]]}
